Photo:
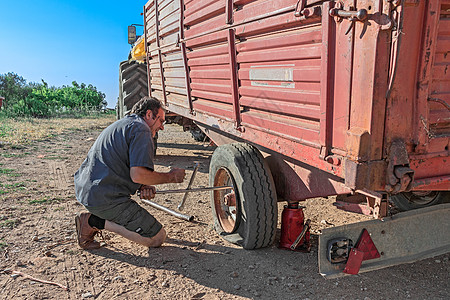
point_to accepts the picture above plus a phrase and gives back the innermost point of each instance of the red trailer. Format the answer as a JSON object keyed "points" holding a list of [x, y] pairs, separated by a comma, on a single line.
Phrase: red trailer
{"points": [[311, 98]]}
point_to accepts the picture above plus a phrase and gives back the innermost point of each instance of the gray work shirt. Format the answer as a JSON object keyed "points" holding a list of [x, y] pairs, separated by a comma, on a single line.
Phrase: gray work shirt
{"points": [[104, 176]]}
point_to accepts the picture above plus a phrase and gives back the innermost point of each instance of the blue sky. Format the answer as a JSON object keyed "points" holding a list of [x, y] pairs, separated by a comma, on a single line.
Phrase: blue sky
{"points": [[63, 41]]}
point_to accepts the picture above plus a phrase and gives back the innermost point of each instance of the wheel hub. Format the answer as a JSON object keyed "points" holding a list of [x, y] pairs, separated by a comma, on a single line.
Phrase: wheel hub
{"points": [[225, 203]]}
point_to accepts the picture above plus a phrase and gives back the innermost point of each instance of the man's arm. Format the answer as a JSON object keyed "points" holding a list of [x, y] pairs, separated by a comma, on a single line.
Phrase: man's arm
{"points": [[144, 176]]}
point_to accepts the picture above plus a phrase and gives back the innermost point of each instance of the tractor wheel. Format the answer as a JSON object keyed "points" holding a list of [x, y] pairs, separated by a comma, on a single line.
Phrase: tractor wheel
{"points": [[133, 86], [413, 200], [246, 214]]}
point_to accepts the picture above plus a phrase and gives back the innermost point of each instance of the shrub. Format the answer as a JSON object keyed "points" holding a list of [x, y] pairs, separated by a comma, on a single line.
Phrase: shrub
{"points": [[42, 100]]}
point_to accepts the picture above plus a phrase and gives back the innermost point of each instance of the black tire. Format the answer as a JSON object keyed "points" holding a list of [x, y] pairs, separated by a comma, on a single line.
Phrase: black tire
{"points": [[413, 200], [133, 85], [254, 223]]}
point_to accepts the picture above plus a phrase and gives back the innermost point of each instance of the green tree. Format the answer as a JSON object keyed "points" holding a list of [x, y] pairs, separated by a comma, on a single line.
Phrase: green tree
{"points": [[14, 88], [42, 100]]}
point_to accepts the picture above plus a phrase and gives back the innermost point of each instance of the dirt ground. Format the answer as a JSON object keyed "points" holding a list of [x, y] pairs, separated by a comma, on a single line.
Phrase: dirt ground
{"points": [[37, 238]]}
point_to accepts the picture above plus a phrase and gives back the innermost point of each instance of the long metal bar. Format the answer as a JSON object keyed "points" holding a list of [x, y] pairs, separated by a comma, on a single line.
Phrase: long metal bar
{"points": [[185, 60], [229, 12], [326, 82], [234, 77], [163, 85], [181, 205], [147, 54], [169, 211], [200, 189]]}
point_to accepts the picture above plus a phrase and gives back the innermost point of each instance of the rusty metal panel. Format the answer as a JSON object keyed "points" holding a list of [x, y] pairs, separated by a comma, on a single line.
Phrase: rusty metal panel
{"points": [[305, 83], [439, 99], [418, 104], [370, 71], [279, 75], [215, 108], [278, 65], [203, 10], [167, 72], [208, 26], [263, 9], [302, 130]]}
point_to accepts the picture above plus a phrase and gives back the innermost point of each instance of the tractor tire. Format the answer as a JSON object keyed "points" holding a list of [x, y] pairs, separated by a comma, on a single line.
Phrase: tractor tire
{"points": [[133, 85], [413, 200], [249, 219]]}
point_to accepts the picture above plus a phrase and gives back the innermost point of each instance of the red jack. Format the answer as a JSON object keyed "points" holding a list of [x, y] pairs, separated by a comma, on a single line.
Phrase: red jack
{"points": [[294, 231]]}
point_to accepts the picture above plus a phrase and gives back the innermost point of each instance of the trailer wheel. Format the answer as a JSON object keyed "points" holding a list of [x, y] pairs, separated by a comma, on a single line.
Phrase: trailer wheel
{"points": [[133, 86], [413, 200], [245, 214]]}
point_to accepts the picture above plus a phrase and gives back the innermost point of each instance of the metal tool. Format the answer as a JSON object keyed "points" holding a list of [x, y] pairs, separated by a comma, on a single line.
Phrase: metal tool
{"points": [[177, 214], [185, 191], [199, 189], [169, 211], [301, 235], [181, 205]]}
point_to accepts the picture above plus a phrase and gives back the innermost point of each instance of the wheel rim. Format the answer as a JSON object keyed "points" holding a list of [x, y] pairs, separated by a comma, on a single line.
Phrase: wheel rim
{"points": [[225, 201], [421, 198]]}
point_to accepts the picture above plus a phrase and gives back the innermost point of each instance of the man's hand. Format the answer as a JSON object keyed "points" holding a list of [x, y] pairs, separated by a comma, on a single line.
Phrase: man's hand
{"points": [[178, 175], [147, 192]]}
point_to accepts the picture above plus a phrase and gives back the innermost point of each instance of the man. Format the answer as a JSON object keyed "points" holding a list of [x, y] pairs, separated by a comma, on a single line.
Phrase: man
{"points": [[118, 164]]}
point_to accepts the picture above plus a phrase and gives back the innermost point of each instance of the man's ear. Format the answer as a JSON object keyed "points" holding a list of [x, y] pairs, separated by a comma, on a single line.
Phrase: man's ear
{"points": [[149, 115]]}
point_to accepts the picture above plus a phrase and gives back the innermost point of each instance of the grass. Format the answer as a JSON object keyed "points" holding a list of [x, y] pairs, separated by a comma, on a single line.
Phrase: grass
{"points": [[72, 252], [6, 188], [16, 132], [9, 172], [15, 155], [44, 200], [9, 224], [3, 244]]}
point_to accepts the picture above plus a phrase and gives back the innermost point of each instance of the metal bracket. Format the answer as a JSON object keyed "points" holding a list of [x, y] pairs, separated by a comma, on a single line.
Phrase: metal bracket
{"points": [[377, 201], [352, 15], [399, 175], [299, 8]]}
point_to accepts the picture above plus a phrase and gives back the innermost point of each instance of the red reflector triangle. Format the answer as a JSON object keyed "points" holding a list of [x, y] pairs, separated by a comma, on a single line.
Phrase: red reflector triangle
{"points": [[367, 246]]}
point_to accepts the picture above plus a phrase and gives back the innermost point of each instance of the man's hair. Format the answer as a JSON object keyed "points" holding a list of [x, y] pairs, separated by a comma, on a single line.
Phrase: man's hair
{"points": [[146, 103]]}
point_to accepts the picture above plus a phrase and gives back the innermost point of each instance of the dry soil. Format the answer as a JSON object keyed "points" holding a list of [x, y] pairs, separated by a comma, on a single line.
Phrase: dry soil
{"points": [[37, 238]]}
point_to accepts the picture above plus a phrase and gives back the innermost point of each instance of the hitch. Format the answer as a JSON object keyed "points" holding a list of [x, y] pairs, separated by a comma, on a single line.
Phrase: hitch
{"points": [[399, 175]]}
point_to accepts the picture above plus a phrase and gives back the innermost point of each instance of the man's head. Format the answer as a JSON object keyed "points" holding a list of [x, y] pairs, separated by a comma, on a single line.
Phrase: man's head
{"points": [[151, 110]]}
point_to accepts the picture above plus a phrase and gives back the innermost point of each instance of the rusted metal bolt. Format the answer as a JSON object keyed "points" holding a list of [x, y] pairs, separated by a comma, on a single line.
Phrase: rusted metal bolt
{"points": [[361, 14], [306, 12]]}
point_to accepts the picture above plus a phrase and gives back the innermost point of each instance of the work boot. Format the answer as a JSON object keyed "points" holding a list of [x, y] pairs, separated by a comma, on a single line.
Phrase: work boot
{"points": [[86, 233]]}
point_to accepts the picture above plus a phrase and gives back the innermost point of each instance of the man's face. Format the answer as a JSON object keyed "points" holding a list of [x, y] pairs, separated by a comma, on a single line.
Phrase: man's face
{"points": [[155, 122]]}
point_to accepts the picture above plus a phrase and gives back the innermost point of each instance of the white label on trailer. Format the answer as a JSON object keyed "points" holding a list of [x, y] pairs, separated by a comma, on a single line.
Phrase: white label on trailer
{"points": [[282, 73]]}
